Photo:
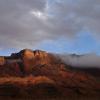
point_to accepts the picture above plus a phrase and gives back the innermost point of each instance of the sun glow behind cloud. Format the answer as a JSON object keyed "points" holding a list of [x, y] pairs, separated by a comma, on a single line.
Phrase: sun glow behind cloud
{"points": [[39, 14]]}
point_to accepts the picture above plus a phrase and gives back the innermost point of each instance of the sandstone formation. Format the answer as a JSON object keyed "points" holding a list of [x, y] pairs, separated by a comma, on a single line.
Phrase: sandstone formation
{"points": [[37, 72]]}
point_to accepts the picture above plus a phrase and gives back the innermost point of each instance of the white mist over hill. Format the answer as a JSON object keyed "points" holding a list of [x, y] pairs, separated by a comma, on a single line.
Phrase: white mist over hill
{"points": [[87, 60]]}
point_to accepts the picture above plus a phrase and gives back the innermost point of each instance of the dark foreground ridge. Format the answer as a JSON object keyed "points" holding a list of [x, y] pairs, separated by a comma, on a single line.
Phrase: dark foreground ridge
{"points": [[37, 73]]}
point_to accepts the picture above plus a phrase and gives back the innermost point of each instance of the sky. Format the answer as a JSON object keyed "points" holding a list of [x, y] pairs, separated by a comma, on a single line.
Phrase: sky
{"points": [[59, 26]]}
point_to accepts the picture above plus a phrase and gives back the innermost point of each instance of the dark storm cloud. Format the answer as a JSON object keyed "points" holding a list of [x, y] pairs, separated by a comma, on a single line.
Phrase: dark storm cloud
{"points": [[25, 23]]}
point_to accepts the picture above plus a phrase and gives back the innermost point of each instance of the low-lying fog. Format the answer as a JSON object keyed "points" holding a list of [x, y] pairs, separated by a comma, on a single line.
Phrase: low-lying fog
{"points": [[87, 60]]}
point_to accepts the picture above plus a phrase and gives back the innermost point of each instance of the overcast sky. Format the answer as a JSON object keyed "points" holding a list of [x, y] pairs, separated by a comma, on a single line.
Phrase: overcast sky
{"points": [[71, 26]]}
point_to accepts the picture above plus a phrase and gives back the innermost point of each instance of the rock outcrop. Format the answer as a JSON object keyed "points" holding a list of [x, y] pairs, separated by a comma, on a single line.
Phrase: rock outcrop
{"points": [[2, 61], [40, 72], [26, 61]]}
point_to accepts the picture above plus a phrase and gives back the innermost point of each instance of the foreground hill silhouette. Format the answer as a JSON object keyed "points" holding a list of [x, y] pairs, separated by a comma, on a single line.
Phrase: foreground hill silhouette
{"points": [[38, 74]]}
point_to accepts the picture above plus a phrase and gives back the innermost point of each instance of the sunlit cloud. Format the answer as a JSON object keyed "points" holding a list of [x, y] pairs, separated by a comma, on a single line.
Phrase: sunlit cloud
{"points": [[39, 15]]}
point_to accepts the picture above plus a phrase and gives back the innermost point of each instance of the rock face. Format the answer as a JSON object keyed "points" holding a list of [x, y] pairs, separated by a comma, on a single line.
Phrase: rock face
{"points": [[2, 61], [25, 61], [34, 58], [44, 72]]}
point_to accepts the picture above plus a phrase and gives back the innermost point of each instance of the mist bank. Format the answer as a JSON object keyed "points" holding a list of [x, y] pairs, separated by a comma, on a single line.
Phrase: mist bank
{"points": [[86, 60]]}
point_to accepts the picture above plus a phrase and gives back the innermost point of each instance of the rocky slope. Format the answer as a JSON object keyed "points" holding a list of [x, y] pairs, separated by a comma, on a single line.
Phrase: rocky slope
{"points": [[40, 73], [26, 61]]}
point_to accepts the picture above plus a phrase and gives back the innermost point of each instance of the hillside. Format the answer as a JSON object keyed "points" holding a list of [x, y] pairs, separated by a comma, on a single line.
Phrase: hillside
{"points": [[41, 74]]}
